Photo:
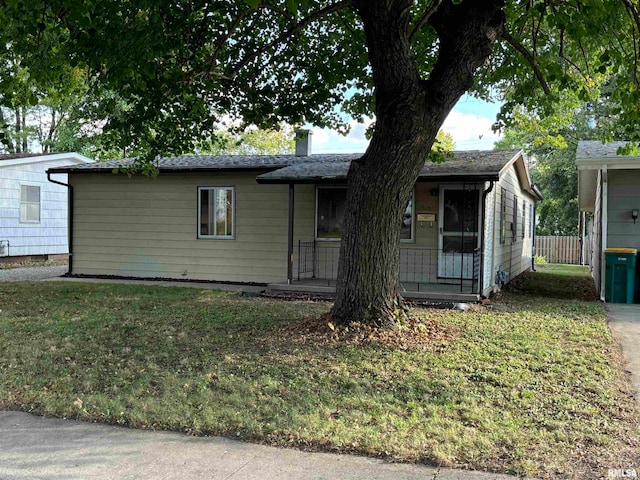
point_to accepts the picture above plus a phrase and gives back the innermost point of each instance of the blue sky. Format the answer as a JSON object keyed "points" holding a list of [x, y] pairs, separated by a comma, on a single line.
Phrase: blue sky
{"points": [[469, 123]]}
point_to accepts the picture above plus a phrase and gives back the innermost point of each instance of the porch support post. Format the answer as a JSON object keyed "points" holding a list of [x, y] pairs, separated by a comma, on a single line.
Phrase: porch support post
{"points": [[485, 194], [290, 235]]}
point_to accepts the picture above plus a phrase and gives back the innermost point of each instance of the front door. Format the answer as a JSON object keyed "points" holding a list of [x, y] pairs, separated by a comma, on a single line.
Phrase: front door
{"points": [[459, 231]]}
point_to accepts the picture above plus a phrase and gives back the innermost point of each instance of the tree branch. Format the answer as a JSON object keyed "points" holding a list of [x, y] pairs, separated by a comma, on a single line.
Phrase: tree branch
{"points": [[288, 34], [424, 19], [530, 59]]}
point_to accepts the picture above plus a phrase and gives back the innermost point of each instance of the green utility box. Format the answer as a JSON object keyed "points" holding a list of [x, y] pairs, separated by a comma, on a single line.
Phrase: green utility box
{"points": [[620, 275]]}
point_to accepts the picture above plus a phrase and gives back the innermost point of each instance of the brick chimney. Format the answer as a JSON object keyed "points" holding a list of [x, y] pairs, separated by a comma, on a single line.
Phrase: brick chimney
{"points": [[303, 143]]}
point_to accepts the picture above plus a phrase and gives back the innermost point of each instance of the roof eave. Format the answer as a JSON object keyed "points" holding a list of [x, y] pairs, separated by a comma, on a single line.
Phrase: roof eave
{"points": [[83, 171], [343, 180]]}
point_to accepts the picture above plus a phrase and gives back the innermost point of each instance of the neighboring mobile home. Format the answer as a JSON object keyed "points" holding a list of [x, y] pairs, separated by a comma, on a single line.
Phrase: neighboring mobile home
{"points": [[33, 211], [276, 220], [608, 190]]}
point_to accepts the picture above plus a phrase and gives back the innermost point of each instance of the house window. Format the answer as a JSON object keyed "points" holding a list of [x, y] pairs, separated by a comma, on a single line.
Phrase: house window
{"points": [[524, 215], [331, 204], [29, 204], [531, 220], [503, 216], [216, 212], [514, 224]]}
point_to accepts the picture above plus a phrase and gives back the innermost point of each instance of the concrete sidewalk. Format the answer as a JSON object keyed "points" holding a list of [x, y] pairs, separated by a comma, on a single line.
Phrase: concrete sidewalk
{"points": [[624, 321], [34, 447]]}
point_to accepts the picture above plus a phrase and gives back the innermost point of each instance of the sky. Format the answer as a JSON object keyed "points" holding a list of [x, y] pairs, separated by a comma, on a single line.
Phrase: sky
{"points": [[469, 123]]}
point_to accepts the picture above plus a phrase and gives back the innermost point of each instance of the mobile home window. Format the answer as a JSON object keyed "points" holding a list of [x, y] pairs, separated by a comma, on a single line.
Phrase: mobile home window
{"points": [[216, 212], [331, 204], [29, 204]]}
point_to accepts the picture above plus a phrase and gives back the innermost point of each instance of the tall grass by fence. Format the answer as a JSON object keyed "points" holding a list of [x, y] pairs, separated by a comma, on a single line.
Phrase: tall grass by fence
{"points": [[559, 249]]}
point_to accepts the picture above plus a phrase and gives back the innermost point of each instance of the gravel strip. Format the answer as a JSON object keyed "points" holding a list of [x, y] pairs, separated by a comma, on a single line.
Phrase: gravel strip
{"points": [[32, 273]]}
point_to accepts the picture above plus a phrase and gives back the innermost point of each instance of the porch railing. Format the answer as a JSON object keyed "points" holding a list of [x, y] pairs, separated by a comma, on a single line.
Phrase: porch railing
{"points": [[420, 268]]}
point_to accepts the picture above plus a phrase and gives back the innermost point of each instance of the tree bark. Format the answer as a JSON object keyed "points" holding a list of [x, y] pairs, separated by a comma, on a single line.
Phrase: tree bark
{"points": [[409, 113]]}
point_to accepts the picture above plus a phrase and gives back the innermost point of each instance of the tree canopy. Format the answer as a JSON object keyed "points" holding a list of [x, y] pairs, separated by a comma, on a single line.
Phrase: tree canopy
{"points": [[551, 143], [180, 67]]}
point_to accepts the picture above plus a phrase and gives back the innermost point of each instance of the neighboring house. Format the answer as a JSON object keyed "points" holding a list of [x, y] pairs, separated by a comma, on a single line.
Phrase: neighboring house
{"points": [[33, 211], [608, 188], [276, 220]]}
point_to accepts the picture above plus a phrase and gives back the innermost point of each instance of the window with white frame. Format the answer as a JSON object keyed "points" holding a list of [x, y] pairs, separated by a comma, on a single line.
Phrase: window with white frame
{"points": [[331, 204], [216, 212], [503, 215], [514, 224], [524, 215], [531, 219], [29, 204]]}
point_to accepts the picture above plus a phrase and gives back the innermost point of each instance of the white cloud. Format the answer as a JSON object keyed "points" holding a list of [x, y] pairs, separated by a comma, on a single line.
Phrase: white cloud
{"points": [[470, 131]]}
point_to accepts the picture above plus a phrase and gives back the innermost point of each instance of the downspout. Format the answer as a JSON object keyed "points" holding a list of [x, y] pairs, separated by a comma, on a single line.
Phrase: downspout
{"points": [[70, 217], [482, 223]]}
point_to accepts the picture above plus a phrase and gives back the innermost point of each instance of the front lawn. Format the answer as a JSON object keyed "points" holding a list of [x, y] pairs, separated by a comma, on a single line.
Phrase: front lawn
{"points": [[529, 385]]}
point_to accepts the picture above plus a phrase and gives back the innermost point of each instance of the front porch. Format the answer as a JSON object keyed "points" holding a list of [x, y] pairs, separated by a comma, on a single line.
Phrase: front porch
{"points": [[425, 273], [423, 292]]}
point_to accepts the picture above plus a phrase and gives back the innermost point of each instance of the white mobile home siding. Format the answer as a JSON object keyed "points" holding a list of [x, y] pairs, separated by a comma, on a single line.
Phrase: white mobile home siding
{"points": [[513, 256], [49, 236], [145, 227]]}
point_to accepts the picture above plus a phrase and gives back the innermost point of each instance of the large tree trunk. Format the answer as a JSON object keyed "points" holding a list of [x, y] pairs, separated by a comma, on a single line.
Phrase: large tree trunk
{"points": [[409, 113]]}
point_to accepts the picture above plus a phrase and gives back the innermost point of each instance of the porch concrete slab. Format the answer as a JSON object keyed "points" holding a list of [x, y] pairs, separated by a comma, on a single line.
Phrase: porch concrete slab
{"points": [[34, 447], [310, 288], [624, 322], [228, 287], [441, 296]]}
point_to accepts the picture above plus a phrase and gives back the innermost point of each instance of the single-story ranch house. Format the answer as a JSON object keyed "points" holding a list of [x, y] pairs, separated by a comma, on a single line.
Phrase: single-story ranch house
{"points": [[276, 220]]}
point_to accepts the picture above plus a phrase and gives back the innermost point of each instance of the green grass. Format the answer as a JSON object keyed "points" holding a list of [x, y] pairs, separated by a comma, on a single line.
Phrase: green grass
{"points": [[530, 385]]}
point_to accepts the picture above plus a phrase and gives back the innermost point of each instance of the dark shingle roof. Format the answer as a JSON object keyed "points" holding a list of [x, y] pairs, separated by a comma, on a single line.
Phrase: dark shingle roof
{"points": [[476, 164], [209, 162], [588, 149]]}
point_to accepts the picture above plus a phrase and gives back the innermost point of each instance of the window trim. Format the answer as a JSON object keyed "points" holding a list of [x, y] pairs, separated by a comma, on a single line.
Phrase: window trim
{"points": [[524, 218], [344, 187], [413, 219], [514, 223], [233, 212], [503, 216], [315, 218], [531, 219], [20, 218]]}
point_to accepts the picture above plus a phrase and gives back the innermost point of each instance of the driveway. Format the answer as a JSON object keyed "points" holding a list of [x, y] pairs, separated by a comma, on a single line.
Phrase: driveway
{"points": [[624, 321], [32, 273]]}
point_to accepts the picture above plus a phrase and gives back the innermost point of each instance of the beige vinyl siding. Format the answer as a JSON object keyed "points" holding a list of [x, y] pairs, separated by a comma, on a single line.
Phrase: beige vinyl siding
{"points": [[514, 255], [146, 227]]}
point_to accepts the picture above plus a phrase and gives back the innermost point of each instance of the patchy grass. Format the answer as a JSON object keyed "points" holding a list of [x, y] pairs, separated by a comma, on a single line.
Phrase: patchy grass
{"points": [[556, 281], [530, 385]]}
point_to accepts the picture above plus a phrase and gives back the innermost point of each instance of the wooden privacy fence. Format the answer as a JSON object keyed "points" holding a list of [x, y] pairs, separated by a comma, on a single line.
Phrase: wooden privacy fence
{"points": [[559, 249]]}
